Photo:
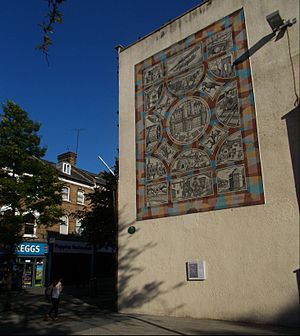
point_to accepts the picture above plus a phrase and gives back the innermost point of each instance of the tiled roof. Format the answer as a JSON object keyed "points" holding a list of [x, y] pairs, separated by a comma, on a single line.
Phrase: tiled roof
{"points": [[79, 175]]}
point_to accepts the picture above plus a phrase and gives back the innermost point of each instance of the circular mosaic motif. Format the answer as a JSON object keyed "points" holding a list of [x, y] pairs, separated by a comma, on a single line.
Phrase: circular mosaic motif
{"points": [[188, 120]]}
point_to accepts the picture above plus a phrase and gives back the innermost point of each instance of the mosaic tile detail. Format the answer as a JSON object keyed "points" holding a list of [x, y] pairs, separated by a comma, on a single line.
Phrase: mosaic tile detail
{"points": [[196, 139], [188, 120]]}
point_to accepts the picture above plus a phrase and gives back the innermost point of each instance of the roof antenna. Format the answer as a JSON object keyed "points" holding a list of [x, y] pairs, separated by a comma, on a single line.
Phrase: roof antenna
{"points": [[77, 141]]}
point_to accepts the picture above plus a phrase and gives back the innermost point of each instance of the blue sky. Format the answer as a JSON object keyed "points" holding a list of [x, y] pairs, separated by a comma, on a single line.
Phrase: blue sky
{"points": [[79, 90]]}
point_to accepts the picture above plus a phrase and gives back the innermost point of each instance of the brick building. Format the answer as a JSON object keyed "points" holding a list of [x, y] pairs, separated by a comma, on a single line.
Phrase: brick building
{"points": [[47, 251]]}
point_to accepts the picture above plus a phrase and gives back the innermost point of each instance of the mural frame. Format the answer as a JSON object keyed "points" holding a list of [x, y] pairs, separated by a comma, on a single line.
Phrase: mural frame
{"points": [[196, 137]]}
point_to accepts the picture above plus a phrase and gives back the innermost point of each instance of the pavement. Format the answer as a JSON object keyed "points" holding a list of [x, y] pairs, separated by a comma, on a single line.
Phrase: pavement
{"points": [[85, 315]]}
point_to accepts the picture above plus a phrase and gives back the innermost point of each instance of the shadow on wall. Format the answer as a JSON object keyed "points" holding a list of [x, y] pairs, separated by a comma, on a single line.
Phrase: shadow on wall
{"points": [[289, 316], [259, 44], [131, 298], [292, 119], [286, 317]]}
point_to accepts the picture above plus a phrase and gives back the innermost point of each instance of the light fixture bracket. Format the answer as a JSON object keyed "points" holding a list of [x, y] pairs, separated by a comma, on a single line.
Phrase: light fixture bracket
{"points": [[277, 23]]}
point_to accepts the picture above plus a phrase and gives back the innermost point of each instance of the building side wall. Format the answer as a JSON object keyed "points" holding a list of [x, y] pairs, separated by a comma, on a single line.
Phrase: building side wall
{"points": [[250, 252]]}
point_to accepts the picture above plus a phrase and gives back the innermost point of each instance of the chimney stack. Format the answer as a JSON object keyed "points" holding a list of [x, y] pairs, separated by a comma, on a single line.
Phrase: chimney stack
{"points": [[69, 157]]}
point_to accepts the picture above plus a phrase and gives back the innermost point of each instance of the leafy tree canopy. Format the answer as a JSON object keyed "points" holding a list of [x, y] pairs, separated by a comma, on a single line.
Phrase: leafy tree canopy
{"points": [[99, 222], [30, 191]]}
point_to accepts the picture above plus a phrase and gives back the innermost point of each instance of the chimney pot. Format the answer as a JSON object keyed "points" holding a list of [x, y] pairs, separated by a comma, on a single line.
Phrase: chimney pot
{"points": [[69, 157]]}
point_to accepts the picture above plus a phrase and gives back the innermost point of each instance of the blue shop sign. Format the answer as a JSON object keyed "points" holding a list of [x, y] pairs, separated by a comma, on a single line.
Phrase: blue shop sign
{"points": [[32, 249]]}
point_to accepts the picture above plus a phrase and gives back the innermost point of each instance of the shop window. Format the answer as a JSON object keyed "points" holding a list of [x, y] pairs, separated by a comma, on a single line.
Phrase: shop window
{"points": [[64, 226], [80, 197], [65, 193], [30, 230]]}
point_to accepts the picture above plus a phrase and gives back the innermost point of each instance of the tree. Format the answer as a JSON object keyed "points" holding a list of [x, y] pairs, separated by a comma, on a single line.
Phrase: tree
{"points": [[98, 224], [30, 191], [53, 16], [99, 221]]}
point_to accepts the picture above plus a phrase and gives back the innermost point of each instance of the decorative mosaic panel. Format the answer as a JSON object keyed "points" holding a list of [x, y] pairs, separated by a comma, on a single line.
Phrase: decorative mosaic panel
{"points": [[196, 141]]}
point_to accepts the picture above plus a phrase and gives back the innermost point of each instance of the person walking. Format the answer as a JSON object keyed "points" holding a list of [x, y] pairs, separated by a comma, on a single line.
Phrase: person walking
{"points": [[56, 289]]}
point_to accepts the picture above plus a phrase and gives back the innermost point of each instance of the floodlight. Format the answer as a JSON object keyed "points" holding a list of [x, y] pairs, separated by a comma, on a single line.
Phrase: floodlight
{"points": [[277, 23]]}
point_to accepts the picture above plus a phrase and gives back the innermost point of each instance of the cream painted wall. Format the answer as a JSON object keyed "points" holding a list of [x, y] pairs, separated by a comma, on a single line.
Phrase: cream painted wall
{"points": [[250, 252]]}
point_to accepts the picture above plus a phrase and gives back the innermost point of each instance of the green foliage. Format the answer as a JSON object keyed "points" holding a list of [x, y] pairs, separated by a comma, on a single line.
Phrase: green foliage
{"points": [[100, 223], [53, 16], [18, 135], [29, 188]]}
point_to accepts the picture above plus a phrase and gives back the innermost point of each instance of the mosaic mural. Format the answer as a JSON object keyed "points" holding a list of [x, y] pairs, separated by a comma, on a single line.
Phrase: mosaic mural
{"points": [[196, 141]]}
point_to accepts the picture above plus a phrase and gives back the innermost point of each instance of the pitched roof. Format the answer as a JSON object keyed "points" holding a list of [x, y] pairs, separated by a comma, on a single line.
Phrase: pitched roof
{"points": [[78, 175]]}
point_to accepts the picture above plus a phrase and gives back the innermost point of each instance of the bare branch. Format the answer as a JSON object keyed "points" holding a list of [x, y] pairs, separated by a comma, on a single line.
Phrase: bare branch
{"points": [[53, 16]]}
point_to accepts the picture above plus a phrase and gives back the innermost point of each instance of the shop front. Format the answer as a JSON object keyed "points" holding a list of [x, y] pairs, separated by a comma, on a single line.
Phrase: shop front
{"points": [[31, 263], [69, 260], [76, 262]]}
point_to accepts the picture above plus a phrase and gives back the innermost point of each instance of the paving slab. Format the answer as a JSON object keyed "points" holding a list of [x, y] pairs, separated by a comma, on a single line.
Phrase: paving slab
{"points": [[78, 317]]}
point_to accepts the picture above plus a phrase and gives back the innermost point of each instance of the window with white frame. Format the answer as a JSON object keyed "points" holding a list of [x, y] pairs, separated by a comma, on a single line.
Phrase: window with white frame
{"points": [[66, 168], [64, 226], [80, 197], [30, 230], [65, 193], [78, 224]]}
